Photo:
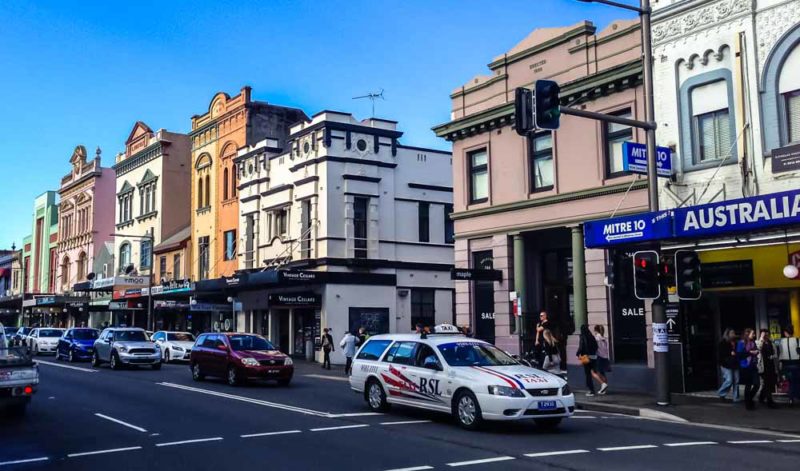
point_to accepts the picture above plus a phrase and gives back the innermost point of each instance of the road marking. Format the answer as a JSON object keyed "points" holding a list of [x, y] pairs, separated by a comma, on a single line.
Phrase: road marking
{"points": [[404, 422], [352, 414], [30, 460], [487, 460], [50, 363], [624, 448], [126, 424], [588, 417], [101, 452], [187, 442], [556, 453], [788, 441], [748, 442], [690, 443], [414, 468], [332, 378], [341, 427], [267, 434]]}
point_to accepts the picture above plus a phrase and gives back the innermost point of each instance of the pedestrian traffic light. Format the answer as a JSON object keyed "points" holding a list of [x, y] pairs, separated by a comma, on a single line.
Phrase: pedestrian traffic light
{"points": [[646, 276], [687, 274], [523, 111], [546, 108]]}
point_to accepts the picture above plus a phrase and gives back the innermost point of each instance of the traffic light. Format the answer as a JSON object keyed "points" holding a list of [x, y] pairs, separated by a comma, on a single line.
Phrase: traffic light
{"points": [[687, 274], [646, 276], [523, 111], [546, 108]]}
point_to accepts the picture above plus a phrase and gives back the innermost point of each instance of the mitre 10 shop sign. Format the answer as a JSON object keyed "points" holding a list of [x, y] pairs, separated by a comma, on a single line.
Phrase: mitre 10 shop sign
{"points": [[707, 220]]}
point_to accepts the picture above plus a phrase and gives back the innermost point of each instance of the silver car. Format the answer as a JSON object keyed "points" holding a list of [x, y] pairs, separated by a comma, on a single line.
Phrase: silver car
{"points": [[120, 346]]}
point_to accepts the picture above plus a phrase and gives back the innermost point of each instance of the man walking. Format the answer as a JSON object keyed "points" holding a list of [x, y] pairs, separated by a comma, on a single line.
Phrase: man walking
{"points": [[348, 345], [327, 348]]}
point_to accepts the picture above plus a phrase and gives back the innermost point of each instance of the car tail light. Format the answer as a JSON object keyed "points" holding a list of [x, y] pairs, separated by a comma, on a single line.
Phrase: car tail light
{"points": [[28, 390]]}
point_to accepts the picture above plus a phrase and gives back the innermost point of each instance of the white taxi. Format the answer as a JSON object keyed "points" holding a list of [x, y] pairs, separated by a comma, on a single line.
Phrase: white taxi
{"points": [[471, 379]]}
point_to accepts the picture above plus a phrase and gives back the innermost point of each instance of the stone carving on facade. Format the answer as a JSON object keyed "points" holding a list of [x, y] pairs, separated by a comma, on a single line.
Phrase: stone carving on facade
{"points": [[690, 22], [772, 24]]}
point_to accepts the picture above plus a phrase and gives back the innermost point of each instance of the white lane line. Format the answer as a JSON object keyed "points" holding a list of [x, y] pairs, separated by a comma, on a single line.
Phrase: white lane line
{"points": [[414, 468], [341, 427], [690, 443], [30, 460], [187, 442], [487, 460], [788, 441], [748, 442], [556, 453], [407, 422], [126, 424], [268, 434], [353, 414], [78, 368], [624, 448], [332, 378], [102, 452], [587, 417]]}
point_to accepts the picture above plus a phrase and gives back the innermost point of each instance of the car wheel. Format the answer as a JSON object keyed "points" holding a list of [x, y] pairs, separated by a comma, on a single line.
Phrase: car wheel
{"points": [[71, 356], [467, 411], [550, 423], [96, 360], [196, 374], [115, 363], [376, 396], [165, 357], [233, 376]]}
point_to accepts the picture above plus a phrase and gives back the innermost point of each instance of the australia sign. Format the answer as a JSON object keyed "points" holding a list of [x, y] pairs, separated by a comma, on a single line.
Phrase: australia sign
{"points": [[634, 159], [628, 229]]}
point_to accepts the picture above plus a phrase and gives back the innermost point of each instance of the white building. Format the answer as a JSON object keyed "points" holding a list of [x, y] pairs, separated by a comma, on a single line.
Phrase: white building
{"points": [[352, 228]]}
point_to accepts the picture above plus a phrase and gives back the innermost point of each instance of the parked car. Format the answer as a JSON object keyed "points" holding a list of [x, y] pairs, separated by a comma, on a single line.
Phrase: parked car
{"points": [[21, 337], [19, 376], [238, 358], [9, 333], [44, 340], [174, 345], [77, 344], [120, 346]]}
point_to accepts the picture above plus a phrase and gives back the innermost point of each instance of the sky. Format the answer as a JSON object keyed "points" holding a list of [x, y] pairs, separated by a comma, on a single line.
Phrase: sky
{"points": [[85, 72]]}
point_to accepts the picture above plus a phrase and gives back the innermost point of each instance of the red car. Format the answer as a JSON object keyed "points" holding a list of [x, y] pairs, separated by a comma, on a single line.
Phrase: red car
{"points": [[239, 357]]}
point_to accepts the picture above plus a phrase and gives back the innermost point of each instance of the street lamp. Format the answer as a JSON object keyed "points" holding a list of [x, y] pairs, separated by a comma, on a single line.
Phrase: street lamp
{"points": [[148, 236]]}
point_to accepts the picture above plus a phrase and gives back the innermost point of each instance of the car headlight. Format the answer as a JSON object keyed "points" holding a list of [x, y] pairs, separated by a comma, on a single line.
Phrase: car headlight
{"points": [[288, 361], [506, 391], [249, 362], [565, 390], [122, 348], [177, 348]]}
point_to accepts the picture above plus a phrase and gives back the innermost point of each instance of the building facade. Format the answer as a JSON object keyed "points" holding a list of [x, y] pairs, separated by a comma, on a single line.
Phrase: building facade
{"points": [[343, 227], [10, 286], [39, 262], [172, 271]]}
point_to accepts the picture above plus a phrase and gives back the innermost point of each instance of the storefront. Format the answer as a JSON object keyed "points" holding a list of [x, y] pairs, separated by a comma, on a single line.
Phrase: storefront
{"points": [[171, 306]]}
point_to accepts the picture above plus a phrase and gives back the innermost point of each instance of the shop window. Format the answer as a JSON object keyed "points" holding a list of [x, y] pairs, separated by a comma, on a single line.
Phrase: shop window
{"points": [[422, 307], [423, 218], [478, 165], [615, 135], [542, 162]]}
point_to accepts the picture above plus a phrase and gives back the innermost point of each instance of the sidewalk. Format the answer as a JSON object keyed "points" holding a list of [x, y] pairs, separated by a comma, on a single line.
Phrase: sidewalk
{"points": [[698, 409]]}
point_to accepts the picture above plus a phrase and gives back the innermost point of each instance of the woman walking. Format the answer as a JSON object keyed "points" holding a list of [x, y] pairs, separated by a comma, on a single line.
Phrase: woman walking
{"points": [[603, 362], [728, 365], [587, 354], [767, 368], [747, 352]]}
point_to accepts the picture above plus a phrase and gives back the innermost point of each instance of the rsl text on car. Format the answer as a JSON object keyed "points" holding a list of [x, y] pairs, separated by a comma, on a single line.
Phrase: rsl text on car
{"points": [[238, 358], [448, 372]]}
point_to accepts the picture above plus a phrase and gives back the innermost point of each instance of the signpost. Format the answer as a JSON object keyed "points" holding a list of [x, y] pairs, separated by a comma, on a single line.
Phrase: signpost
{"points": [[628, 229], [634, 159]]}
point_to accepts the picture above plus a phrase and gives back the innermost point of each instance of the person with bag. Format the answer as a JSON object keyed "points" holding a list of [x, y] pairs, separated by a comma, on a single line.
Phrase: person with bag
{"points": [[327, 348], [747, 351], [603, 362], [767, 368], [348, 345], [789, 355], [587, 355], [552, 358], [728, 365]]}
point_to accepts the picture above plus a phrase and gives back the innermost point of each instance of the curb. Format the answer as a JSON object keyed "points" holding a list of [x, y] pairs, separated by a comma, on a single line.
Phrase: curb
{"points": [[628, 410]]}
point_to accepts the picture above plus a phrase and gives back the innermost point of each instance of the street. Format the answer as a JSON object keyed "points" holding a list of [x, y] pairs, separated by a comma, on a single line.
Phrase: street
{"points": [[84, 418]]}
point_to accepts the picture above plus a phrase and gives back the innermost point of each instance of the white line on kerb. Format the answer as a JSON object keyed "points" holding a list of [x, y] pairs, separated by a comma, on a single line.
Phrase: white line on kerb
{"points": [[341, 427], [487, 460], [267, 434], [126, 424], [556, 453], [623, 448], [30, 460], [788, 441], [690, 443], [101, 452], [414, 468], [407, 422], [186, 442], [748, 442], [50, 363]]}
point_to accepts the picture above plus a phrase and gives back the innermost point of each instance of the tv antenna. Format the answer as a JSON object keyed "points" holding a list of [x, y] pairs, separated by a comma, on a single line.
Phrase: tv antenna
{"points": [[372, 97]]}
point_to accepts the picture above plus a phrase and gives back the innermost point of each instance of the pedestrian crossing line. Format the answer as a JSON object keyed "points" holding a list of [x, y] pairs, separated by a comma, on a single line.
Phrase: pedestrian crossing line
{"points": [[748, 442], [29, 460], [556, 453], [268, 434], [341, 427], [690, 444], [483, 461], [102, 452], [626, 448], [407, 422]]}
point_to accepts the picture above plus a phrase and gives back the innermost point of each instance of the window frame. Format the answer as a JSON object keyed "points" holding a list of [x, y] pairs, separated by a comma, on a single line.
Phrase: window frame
{"points": [[537, 155], [449, 225], [473, 170], [424, 221], [226, 256], [697, 136], [421, 304], [360, 251], [613, 136]]}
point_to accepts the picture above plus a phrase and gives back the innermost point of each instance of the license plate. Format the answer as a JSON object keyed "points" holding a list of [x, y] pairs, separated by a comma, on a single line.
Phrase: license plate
{"points": [[547, 405], [273, 371]]}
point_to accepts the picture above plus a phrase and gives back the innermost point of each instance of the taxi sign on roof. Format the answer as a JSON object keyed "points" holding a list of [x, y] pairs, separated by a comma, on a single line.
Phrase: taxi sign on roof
{"points": [[446, 329]]}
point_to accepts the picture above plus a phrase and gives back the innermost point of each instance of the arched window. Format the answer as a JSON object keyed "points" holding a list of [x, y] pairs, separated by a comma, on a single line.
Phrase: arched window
{"points": [[225, 184], [81, 267], [65, 277], [233, 180], [780, 82], [124, 256], [199, 192], [207, 200]]}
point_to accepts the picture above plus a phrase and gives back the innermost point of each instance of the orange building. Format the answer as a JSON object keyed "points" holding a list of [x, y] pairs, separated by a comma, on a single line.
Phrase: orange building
{"points": [[229, 124]]}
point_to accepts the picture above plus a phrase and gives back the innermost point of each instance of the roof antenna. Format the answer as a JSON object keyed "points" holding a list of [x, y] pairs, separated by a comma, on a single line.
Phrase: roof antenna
{"points": [[372, 97]]}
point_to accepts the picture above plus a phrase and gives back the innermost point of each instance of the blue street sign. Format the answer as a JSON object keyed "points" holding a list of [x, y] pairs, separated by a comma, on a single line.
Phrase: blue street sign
{"points": [[634, 159], [628, 229]]}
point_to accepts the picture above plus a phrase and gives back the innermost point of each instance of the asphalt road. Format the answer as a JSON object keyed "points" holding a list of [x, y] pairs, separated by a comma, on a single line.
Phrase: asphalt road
{"points": [[86, 418]]}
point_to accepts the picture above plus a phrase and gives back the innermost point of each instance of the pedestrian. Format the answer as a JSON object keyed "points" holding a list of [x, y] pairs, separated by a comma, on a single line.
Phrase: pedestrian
{"points": [[327, 348], [587, 355], [538, 345], [362, 335], [603, 362], [767, 368], [552, 357], [348, 345], [747, 351], [789, 355], [728, 365]]}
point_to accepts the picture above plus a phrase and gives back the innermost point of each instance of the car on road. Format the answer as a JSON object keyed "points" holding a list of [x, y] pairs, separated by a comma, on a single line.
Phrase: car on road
{"points": [[174, 345], [9, 333], [21, 337], [449, 372], [77, 344], [239, 357], [44, 340], [120, 346], [19, 376]]}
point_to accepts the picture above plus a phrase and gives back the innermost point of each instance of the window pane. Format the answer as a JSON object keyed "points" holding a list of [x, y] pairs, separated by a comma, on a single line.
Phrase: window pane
{"points": [[543, 142], [480, 185], [615, 156], [705, 129], [613, 127], [543, 171], [479, 158], [793, 115], [723, 134]]}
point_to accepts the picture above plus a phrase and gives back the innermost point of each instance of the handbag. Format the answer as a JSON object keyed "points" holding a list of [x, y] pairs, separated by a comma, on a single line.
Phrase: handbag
{"points": [[584, 359]]}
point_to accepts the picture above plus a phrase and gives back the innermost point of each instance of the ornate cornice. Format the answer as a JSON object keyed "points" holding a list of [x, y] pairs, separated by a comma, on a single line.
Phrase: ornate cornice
{"points": [[151, 152], [681, 20]]}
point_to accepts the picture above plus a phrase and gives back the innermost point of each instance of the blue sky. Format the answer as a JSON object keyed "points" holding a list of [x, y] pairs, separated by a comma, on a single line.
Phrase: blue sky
{"points": [[84, 72]]}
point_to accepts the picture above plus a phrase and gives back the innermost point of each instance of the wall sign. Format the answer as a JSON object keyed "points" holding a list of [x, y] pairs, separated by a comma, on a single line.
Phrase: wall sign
{"points": [[634, 159], [786, 159], [475, 274], [628, 229], [660, 337], [292, 275], [295, 299]]}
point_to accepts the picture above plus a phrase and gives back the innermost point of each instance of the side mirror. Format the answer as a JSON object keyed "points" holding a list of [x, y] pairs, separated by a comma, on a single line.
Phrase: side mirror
{"points": [[432, 363]]}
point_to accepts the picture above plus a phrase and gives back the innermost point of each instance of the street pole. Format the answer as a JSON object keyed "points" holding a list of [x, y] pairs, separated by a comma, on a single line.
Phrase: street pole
{"points": [[150, 283]]}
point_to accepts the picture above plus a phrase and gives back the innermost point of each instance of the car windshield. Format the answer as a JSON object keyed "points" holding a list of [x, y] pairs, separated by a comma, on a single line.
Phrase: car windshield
{"points": [[24, 331], [249, 342], [85, 334], [474, 354], [50, 333], [130, 336], [180, 337]]}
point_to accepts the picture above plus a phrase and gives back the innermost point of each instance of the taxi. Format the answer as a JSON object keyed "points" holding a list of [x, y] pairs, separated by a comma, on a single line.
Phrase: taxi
{"points": [[449, 372]]}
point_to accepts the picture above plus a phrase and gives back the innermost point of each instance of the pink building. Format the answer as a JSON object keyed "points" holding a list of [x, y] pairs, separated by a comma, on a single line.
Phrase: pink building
{"points": [[520, 202], [86, 222]]}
